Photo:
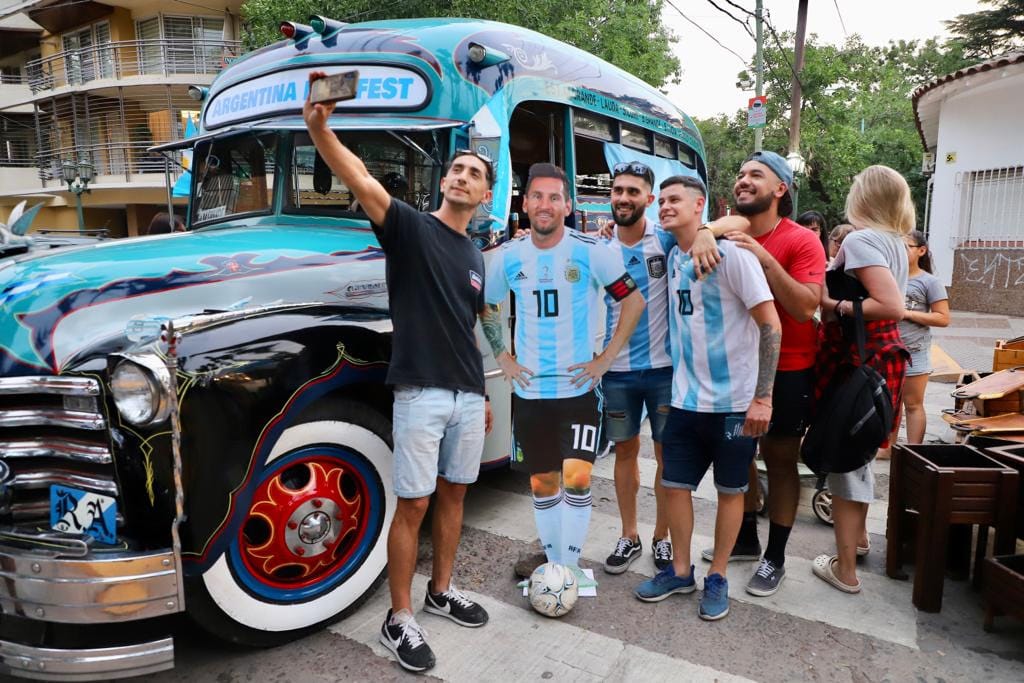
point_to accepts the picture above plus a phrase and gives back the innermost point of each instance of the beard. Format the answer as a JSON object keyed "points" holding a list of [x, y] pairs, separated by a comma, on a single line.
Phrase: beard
{"points": [[754, 206], [546, 230], [629, 219]]}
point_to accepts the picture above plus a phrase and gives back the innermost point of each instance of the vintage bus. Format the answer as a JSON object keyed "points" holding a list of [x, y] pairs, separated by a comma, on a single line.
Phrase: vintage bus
{"points": [[244, 476]]}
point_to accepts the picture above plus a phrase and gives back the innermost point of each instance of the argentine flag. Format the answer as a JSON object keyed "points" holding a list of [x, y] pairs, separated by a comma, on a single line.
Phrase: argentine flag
{"points": [[184, 183]]}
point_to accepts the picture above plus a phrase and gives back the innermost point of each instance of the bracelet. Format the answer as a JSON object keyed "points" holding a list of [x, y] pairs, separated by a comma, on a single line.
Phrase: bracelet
{"points": [[835, 309], [486, 397], [706, 227]]}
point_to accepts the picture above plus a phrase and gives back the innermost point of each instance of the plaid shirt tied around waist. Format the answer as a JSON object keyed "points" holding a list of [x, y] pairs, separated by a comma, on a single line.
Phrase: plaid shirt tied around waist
{"points": [[837, 352]]}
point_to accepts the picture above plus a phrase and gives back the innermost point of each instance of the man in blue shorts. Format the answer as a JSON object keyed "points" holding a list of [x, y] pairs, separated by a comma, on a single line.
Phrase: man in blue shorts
{"points": [[641, 375], [555, 274], [435, 280], [721, 391]]}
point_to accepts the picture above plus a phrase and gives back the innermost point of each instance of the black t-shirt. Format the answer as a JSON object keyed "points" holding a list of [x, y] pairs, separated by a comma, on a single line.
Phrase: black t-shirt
{"points": [[435, 279]]}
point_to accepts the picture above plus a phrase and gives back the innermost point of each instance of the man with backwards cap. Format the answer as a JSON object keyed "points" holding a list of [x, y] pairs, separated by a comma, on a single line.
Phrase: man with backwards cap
{"points": [[794, 264]]}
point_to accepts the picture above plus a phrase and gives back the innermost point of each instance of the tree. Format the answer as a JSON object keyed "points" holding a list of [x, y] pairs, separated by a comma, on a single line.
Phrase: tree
{"points": [[856, 111], [992, 32], [627, 33]]}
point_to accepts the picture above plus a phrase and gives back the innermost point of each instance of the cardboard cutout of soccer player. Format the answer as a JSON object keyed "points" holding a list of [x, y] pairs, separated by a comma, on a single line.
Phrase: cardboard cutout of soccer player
{"points": [[555, 274]]}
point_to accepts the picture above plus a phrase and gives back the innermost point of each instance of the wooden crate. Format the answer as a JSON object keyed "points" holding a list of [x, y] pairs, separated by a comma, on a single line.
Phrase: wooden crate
{"points": [[1004, 587], [1008, 354], [944, 486], [1011, 403]]}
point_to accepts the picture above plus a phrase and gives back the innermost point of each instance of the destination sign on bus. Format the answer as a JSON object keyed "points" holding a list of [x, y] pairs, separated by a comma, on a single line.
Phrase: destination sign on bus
{"points": [[285, 91]]}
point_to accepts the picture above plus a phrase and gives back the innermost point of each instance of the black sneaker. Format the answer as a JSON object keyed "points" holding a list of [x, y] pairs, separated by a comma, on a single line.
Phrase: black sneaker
{"points": [[406, 642], [662, 552], [741, 552], [626, 550], [766, 579], [455, 605]]}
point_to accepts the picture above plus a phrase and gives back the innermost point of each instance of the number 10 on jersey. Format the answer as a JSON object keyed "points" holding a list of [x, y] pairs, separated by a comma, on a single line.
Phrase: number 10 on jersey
{"points": [[547, 302]]}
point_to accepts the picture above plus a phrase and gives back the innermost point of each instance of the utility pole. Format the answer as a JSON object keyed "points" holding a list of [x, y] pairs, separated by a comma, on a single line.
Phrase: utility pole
{"points": [[759, 66], [795, 160]]}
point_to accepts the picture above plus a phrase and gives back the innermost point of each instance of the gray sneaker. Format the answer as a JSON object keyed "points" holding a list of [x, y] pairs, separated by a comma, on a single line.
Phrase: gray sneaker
{"points": [[766, 579], [741, 552]]}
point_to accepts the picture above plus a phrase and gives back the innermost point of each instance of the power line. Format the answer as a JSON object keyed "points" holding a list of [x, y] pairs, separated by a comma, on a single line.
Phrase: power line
{"points": [[841, 22], [731, 16], [741, 8], [701, 29]]}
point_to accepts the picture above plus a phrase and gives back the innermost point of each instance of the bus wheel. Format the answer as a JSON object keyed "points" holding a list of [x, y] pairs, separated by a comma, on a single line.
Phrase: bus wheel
{"points": [[311, 544]]}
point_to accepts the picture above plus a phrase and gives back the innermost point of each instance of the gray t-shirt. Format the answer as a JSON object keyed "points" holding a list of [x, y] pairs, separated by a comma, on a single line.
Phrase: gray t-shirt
{"points": [[922, 291], [870, 247]]}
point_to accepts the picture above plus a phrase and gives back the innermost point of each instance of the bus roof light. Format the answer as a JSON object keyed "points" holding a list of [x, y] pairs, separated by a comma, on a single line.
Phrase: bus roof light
{"points": [[295, 31], [482, 56], [323, 25]]}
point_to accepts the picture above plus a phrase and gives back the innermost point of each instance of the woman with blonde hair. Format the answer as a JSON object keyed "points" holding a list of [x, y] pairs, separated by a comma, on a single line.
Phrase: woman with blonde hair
{"points": [[871, 267]]}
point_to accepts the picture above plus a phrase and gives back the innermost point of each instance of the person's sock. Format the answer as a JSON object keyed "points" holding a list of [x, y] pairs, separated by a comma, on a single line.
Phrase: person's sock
{"points": [[575, 525], [547, 512], [778, 536], [748, 530]]}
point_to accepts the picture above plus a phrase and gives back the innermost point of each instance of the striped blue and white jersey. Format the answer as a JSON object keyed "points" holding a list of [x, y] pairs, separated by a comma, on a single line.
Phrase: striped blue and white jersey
{"points": [[647, 263], [556, 294], [714, 338]]}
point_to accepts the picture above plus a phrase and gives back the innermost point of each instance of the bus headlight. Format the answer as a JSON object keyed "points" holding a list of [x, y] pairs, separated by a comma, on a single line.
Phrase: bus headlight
{"points": [[140, 386]]}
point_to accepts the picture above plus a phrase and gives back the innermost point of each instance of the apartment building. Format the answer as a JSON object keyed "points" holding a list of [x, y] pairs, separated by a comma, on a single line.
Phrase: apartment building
{"points": [[98, 83]]}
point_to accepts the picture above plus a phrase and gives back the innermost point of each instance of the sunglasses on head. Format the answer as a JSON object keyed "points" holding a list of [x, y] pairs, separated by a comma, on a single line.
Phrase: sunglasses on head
{"points": [[473, 153], [634, 168]]}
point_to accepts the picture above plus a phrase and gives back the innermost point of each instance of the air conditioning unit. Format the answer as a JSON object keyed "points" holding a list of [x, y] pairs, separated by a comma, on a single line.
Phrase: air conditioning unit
{"points": [[928, 162]]}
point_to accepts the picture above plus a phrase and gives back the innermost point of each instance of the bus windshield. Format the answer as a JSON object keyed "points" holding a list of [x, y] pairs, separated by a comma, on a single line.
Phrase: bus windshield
{"points": [[234, 176], [407, 164]]}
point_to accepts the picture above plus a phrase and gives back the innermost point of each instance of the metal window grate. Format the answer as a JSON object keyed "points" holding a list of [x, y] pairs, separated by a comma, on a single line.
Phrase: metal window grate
{"points": [[989, 209]]}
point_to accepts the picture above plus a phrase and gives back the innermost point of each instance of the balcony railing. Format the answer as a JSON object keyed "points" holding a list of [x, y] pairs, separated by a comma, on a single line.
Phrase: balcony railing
{"points": [[129, 160], [130, 58]]}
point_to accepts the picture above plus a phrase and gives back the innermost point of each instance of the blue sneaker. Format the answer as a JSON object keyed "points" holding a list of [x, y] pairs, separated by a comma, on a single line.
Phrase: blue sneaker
{"points": [[664, 584], [715, 602]]}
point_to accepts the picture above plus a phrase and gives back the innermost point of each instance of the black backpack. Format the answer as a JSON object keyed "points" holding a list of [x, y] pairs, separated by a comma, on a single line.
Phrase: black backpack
{"points": [[852, 419]]}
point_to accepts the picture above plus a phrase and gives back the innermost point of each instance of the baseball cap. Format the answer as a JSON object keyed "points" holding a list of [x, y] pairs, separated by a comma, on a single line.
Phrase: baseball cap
{"points": [[778, 165]]}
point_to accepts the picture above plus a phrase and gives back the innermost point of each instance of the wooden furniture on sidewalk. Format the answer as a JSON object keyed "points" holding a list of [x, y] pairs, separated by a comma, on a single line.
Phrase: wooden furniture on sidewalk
{"points": [[1004, 587], [942, 486]]}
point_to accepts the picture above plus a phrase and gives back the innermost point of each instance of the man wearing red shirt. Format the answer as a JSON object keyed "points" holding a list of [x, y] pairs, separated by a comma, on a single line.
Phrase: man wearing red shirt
{"points": [[794, 263]]}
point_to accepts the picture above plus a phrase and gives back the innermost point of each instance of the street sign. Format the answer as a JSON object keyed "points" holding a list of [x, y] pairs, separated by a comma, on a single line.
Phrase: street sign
{"points": [[757, 111]]}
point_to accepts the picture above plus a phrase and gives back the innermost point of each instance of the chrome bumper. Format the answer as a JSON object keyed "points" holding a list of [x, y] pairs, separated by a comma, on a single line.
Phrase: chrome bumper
{"points": [[97, 588], [105, 663]]}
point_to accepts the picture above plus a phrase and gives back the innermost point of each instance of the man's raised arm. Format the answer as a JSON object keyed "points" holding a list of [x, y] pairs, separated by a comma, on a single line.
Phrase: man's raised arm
{"points": [[349, 168]]}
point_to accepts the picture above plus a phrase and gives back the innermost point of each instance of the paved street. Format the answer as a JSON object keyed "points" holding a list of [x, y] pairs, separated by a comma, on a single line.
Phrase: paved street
{"points": [[807, 631]]}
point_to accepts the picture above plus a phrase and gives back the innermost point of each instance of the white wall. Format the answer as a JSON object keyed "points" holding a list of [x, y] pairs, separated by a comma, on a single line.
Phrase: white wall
{"points": [[984, 127]]}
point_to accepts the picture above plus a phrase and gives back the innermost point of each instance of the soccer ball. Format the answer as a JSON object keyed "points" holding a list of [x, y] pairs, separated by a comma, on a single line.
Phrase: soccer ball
{"points": [[553, 589]]}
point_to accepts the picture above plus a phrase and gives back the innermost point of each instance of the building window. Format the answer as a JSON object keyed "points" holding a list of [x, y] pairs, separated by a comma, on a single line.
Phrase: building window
{"points": [[87, 54], [991, 208], [181, 45]]}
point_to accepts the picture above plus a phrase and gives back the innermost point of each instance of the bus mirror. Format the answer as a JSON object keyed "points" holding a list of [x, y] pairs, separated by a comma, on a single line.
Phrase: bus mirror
{"points": [[482, 56], [198, 92]]}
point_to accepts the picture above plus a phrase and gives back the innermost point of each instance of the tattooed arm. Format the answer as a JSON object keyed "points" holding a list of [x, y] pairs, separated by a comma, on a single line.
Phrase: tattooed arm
{"points": [[759, 414], [490, 320]]}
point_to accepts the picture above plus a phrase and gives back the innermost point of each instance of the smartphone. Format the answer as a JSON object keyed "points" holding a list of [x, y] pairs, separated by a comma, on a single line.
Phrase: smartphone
{"points": [[334, 88]]}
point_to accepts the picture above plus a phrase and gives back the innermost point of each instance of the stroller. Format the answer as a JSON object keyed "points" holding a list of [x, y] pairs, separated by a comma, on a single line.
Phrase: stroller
{"points": [[821, 501]]}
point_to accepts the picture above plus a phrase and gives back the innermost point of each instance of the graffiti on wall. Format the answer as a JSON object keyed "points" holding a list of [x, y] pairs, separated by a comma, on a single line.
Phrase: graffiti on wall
{"points": [[993, 269]]}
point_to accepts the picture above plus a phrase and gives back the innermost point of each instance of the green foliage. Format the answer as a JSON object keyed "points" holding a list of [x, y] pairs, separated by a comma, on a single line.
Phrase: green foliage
{"points": [[627, 33], [856, 112], [992, 32]]}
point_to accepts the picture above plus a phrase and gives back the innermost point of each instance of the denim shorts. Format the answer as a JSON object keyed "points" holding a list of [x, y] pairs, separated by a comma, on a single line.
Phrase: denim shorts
{"points": [[437, 433], [692, 442], [626, 394], [920, 361]]}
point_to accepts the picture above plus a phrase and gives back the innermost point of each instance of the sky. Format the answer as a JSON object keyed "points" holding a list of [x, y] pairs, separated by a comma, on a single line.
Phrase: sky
{"points": [[708, 84]]}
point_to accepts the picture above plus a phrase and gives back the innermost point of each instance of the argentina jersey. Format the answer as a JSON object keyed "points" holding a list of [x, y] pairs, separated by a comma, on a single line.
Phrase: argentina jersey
{"points": [[714, 339], [554, 290], [646, 263]]}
